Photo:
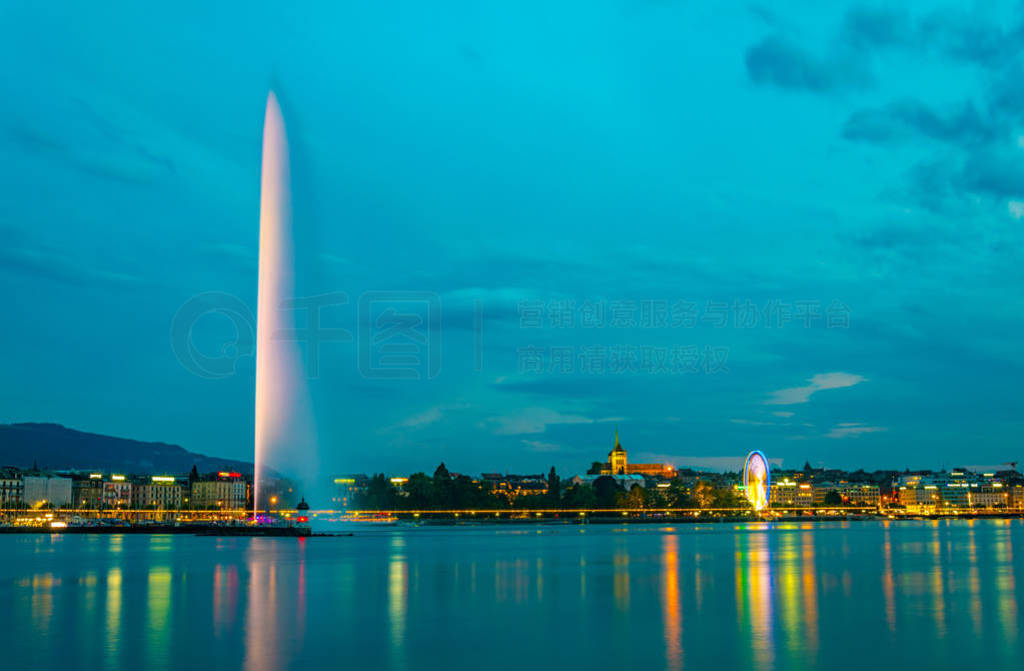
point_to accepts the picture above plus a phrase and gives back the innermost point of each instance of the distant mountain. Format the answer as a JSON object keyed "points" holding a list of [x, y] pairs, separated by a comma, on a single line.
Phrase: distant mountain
{"points": [[53, 446]]}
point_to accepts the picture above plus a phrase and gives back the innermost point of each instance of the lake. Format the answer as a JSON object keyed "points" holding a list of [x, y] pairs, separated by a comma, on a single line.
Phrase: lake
{"points": [[788, 596]]}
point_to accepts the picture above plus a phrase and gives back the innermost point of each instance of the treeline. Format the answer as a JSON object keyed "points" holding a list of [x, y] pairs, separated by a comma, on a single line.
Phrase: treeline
{"points": [[442, 491]]}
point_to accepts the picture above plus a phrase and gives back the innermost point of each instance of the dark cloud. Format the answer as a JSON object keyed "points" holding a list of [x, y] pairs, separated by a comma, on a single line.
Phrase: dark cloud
{"points": [[995, 173], [965, 37], [53, 265], [930, 185], [869, 27], [906, 119], [90, 142], [562, 387], [775, 61]]}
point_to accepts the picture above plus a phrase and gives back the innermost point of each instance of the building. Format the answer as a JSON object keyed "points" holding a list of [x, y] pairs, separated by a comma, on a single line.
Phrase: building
{"points": [[627, 482], [160, 492], [117, 492], [87, 491], [858, 494], [345, 488], [513, 486], [618, 464], [46, 490], [225, 491], [11, 488], [787, 493], [990, 495]]}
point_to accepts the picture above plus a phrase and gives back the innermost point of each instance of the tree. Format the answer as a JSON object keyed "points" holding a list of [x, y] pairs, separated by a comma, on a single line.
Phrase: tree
{"points": [[605, 489], [637, 497], [833, 498], [554, 489], [704, 494], [441, 473], [580, 496], [193, 475], [678, 496], [421, 492], [379, 494]]}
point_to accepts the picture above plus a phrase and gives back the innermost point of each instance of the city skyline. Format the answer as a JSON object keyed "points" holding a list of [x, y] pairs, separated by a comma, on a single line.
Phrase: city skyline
{"points": [[792, 246]]}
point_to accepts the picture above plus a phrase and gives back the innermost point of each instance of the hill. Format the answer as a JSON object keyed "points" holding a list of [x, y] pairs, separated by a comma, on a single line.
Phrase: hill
{"points": [[53, 446]]}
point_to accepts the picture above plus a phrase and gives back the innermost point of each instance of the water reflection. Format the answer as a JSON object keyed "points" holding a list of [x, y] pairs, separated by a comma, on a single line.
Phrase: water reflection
{"points": [[696, 597], [262, 652], [620, 561], [398, 592], [672, 613], [1006, 586], [113, 612]]}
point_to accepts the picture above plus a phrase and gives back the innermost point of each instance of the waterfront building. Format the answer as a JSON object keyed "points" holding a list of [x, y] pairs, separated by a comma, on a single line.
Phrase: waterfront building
{"points": [[990, 495], [789, 493], [87, 491], [857, 494], [46, 490], [160, 492], [627, 481], [225, 491], [11, 488], [513, 486], [117, 492], [344, 489]]}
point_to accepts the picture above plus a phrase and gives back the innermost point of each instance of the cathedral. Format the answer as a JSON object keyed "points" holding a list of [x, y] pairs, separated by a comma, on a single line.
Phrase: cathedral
{"points": [[617, 464]]}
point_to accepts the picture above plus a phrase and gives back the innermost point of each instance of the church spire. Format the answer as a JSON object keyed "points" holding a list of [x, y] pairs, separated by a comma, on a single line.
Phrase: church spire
{"points": [[616, 436]]}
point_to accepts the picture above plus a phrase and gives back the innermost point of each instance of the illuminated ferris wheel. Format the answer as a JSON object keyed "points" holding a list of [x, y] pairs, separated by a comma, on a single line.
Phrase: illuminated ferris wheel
{"points": [[757, 480]]}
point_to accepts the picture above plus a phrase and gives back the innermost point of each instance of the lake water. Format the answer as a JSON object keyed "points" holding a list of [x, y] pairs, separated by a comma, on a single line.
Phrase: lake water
{"points": [[789, 596]]}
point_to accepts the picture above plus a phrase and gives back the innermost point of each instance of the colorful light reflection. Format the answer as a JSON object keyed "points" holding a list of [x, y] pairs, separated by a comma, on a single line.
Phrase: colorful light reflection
{"points": [[756, 480]]}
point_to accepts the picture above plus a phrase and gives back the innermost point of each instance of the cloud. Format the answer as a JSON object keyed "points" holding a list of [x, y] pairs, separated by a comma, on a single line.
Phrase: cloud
{"points": [[905, 119], [424, 418], [537, 420], [852, 430], [871, 27], [783, 413], [95, 144], [1016, 208], [820, 382], [751, 422], [994, 172], [775, 61], [51, 264], [540, 446]]}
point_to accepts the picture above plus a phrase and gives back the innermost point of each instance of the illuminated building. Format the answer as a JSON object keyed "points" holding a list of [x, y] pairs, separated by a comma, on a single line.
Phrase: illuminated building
{"points": [[850, 493], [627, 482], [788, 493], [757, 480], [11, 488], [227, 491], [87, 491], [618, 464], [46, 490], [991, 495], [160, 492], [344, 488], [512, 486], [117, 492]]}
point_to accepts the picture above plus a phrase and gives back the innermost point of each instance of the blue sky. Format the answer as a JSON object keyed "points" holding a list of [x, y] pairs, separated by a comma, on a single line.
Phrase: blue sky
{"points": [[637, 156]]}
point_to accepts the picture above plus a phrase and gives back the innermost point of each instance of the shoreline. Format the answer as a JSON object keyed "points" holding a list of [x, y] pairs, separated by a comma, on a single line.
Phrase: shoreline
{"points": [[216, 530]]}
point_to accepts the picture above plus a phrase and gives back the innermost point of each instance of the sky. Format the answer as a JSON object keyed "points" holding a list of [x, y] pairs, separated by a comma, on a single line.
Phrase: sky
{"points": [[712, 226]]}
